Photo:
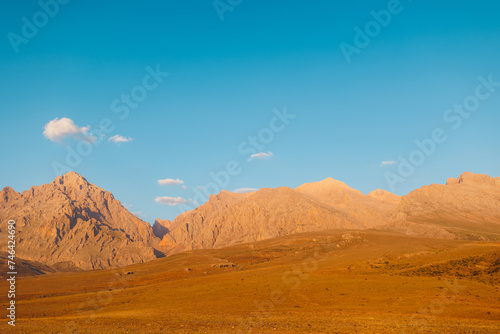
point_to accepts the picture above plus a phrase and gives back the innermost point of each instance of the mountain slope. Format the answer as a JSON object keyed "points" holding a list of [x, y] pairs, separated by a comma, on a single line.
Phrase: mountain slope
{"points": [[70, 222], [467, 207], [372, 210], [229, 218]]}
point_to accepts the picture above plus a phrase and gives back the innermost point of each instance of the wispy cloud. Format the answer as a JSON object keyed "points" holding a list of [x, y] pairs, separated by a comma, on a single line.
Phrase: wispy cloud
{"points": [[58, 129], [261, 155], [172, 201], [120, 139], [170, 182], [244, 190], [387, 163], [139, 214]]}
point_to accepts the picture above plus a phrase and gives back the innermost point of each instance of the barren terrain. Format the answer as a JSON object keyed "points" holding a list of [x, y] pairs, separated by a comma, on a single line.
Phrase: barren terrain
{"points": [[319, 282]]}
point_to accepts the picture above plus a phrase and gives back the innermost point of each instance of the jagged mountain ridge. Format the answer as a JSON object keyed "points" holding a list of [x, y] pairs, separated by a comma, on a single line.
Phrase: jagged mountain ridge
{"points": [[467, 207]]}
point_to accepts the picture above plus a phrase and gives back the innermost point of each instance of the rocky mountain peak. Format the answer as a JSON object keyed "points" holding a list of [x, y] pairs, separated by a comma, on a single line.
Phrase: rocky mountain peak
{"points": [[7, 194], [384, 195], [71, 178], [331, 183], [471, 178]]}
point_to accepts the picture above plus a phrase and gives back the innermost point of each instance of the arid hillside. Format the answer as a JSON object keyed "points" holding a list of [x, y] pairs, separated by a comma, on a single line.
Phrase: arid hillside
{"points": [[466, 208]]}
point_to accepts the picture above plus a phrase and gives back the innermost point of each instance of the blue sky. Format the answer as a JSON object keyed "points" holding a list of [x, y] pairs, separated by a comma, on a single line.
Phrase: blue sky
{"points": [[227, 82]]}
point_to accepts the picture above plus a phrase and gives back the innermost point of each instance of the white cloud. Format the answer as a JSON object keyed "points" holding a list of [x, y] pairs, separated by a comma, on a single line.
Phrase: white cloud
{"points": [[387, 163], [170, 182], [172, 201], [58, 129], [139, 214], [120, 139], [244, 190], [261, 155]]}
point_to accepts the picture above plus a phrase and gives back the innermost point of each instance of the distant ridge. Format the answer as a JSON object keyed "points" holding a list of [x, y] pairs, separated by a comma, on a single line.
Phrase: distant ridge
{"points": [[468, 207]]}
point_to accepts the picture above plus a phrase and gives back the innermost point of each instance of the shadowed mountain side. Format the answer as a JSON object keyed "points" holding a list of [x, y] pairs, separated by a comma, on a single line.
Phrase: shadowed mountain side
{"points": [[24, 267], [161, 227], [74, 222]]}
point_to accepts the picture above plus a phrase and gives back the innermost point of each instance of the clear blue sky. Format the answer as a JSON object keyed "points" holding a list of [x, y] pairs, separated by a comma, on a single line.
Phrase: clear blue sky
{"points": [[225, 79]]}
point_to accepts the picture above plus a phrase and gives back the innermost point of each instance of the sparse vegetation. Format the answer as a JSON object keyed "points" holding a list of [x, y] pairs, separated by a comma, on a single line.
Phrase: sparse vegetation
{"points": [[364, 282]]}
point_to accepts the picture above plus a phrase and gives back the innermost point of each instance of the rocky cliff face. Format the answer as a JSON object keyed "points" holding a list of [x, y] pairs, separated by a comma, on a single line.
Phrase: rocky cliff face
{"points": [[72, 223]]}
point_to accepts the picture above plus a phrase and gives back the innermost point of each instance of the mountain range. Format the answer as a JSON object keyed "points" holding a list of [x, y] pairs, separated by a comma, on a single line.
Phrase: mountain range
{"points": [[71, 224]]}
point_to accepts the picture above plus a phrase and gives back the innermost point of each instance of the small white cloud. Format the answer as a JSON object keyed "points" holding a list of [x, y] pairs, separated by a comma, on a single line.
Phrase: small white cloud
{"points": [[261, 155], [172, 201], [120, 139], [193, 201], [139, 214], [58, 129], [184, 187], [244, 190], [170, 182], [387, 163]]}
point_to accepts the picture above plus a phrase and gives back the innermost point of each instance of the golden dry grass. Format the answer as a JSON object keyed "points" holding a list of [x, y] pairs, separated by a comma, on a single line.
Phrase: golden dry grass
{"points": [[325, 282]]}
